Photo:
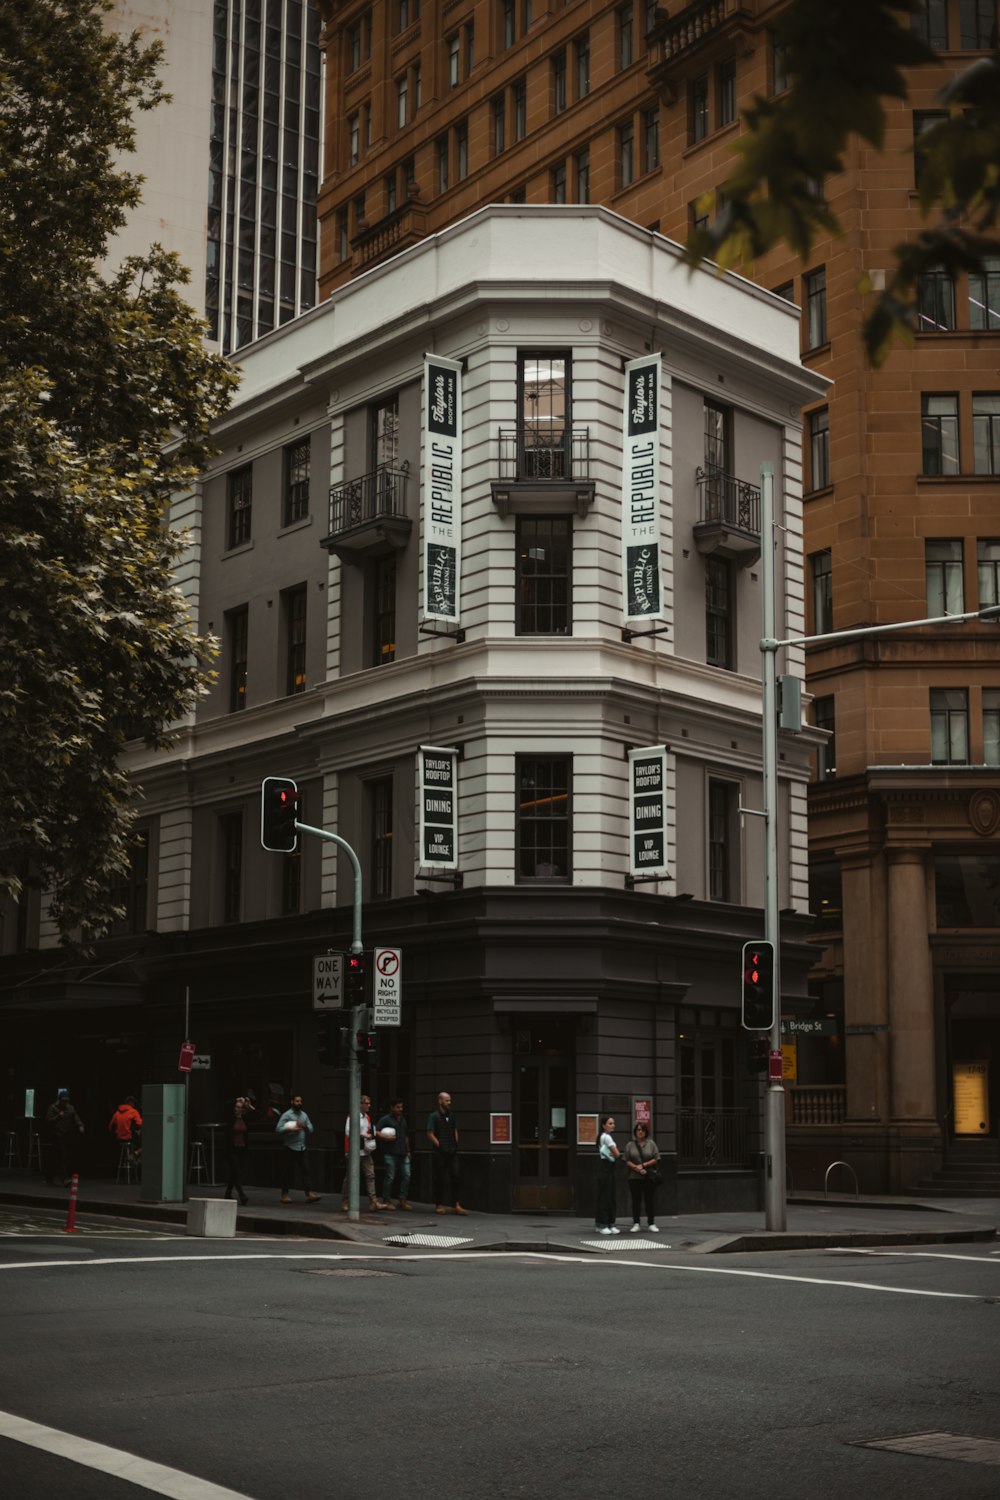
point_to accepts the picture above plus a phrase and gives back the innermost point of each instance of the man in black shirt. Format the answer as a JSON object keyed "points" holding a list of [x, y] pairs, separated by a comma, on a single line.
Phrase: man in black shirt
{"points": [[442, 1132]]}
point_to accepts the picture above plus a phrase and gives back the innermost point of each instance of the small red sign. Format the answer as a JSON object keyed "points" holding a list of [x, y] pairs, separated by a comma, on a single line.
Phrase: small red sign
{"points": [[774, 1067], [643, 1112], [186, 1058]]}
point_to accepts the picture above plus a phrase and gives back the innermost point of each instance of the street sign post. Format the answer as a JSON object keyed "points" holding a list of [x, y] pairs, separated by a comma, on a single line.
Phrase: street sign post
{"points": [[387, 987], [328, 981]]}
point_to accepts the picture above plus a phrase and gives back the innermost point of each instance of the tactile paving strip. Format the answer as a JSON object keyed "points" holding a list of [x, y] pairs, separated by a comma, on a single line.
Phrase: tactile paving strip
{"points": [[967, 1450], [624, 1242], [428, 1241]]}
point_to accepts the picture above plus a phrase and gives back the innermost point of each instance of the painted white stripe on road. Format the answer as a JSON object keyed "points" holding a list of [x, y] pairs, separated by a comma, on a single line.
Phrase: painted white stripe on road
{"points": [[502, 1255], [140, 1471], [979, 1260]]}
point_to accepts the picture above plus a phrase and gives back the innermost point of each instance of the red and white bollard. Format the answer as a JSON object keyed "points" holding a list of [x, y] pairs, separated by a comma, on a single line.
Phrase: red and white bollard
{"points": [[71, 1212]]}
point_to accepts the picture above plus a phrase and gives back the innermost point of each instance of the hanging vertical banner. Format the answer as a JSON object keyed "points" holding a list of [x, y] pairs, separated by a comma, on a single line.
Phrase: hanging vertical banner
{"points": [[438, 807], [641, 490], [647, 807], [442, 488]]}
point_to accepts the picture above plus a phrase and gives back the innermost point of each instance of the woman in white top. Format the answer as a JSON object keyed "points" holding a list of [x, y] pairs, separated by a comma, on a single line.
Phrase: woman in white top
{"points": [[608, 1154]]}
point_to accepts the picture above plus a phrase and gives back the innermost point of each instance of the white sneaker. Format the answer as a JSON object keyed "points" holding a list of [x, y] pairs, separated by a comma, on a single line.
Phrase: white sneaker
{"points": [[653, 1228], [634, 1229], [605, 1230], [614, 1229]]}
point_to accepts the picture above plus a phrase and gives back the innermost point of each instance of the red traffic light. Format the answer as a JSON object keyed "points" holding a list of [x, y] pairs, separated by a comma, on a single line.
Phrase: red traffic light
{"points": [[279, 811], [758, 999]]}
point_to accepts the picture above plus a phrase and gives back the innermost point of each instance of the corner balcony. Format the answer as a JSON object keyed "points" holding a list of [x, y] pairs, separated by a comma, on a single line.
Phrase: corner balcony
{"points": [[688, 39], [728, 523], [395, 231], [543, 470], [368, 515]]}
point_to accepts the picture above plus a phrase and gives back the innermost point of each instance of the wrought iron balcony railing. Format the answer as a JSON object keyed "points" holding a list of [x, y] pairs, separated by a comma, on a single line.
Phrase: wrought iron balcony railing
{"points": [[540, 452], [724, 500], [712, 1138], [370, 498]]}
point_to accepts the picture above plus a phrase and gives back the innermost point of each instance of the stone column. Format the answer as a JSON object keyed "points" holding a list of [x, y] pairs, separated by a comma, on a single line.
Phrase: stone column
{"points": [[911, 990]]}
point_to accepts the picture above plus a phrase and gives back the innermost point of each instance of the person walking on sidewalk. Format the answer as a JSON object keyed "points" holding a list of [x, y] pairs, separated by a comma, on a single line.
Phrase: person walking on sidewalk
{"points": [[292, 1128], [238, 1132], [608, 1154], [368, 1144], [394, 1133], [642, 1163], [442, 1132], [61, 1128]]}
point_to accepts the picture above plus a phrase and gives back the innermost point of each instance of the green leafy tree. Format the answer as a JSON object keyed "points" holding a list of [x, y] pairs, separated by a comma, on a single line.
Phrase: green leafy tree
{"points": [[845, 59], [106, 393]]}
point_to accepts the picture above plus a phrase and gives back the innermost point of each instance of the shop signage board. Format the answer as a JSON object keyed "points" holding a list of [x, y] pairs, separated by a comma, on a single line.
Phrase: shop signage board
{"points": [[438, 792], [641, 581], [647, 810], [442, 488]]}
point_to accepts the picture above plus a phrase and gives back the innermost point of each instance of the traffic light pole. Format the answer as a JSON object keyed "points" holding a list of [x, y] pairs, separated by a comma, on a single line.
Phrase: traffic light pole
{"points": [[358, 1016], [774, 1101]]}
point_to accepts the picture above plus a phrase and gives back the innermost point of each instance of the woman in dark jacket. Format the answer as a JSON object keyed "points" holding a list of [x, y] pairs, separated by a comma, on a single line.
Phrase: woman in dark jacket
{"points": [[642, 1162], [238, 1151]]}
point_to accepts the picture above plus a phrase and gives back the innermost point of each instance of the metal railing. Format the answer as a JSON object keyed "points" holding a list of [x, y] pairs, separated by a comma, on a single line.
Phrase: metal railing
{"points": [[712, 1138], [818, 1104], [724, 500], [536, 452], [369, 498]]}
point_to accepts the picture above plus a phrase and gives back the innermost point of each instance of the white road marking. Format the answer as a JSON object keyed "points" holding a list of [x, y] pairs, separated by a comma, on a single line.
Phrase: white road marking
{"points": [[502, 1255], [159, 1478], [980, 1260]]}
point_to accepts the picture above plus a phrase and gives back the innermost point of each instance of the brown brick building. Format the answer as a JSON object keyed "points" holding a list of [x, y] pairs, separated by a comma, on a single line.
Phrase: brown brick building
{"points": [[434, 109]]}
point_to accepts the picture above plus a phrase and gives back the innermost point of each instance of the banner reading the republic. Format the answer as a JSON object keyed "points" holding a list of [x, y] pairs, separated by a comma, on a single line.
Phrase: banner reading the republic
{"points": [[442, 488], [438, 807], [647, 810], [641, 490]]}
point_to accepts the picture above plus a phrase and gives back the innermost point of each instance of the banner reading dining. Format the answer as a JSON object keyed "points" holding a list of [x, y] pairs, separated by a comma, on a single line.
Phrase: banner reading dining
{"points": [[438, 807], [641, 490], [442, 488], [647, 810]]}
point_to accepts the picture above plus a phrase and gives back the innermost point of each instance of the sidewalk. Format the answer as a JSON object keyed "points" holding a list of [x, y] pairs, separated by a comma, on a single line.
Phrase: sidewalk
{"points": [[813, 1222]]}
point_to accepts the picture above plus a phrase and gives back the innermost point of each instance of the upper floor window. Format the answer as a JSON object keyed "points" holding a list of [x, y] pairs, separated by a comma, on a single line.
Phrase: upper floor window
{"points": [[498, 116], [823, 718], [923, 121], [384, 432], [544, 548], [240, 505], [520, 99], [454, 46], [815, 297], [650, 139], [949, 727], [699, 107], [943, 566], [231, 848], [930, 22], [559, 183], [977, 23], [986, 433], [581, 50], [294, 601], [402, 100], [819, 448], [359, 43], [626, 153], [559, 83], [383, 609], [582, 163], [984, 294], [297, 466], [626, 34], [545, 398], [509, 17], [822, 592], [939, 435], [544, 810], [461, 150], [725, 85], [779, 66], [343, 235], [380, 814], [723, 839], [988, 568], [718, 612], [441, 151], [131, 891], [935, 301], [354, 139], [718, 438], [991, 726], [408, 12], [237, 638]]}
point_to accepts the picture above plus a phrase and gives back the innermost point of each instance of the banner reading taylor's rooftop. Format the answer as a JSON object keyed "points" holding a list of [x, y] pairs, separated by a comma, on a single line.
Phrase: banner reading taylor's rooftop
{"points": [[438, 807], [647, 805], [442, 488], [641, 490]]}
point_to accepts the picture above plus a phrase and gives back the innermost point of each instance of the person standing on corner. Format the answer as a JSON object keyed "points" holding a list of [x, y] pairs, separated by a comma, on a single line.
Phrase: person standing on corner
{"points": [[292, 1128], [367, 1147], [238, 1132], [608, 1154], [642, 1163], [62, 1126], [442, 1132], [394, 1133]]}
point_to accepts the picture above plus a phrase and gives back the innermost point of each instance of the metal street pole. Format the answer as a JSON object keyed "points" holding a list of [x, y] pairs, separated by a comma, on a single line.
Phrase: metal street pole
{"points": [[774, 1101], [357, 1019]]}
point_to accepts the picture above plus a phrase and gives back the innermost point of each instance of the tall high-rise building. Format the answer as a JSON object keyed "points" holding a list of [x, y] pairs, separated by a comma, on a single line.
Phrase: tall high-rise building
{"points": [[231, 163], [434, 109]]}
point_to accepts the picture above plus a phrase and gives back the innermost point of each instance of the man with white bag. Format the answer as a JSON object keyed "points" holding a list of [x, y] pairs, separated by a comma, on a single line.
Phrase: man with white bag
{"points": [[292, 1129], [394, 1133]]}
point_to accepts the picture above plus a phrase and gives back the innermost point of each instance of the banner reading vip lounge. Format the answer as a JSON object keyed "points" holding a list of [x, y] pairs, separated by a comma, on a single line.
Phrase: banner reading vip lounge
{"points": [[647, 807], [438, 807], [641, 490], [442, 488]]}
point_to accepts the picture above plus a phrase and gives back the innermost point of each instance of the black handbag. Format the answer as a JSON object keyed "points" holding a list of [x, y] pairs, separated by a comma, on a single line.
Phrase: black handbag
{"points": [[653, 1176]]}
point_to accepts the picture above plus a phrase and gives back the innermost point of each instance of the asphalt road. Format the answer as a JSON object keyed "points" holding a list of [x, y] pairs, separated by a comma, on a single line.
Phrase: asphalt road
{"points": [[287, 1370]]}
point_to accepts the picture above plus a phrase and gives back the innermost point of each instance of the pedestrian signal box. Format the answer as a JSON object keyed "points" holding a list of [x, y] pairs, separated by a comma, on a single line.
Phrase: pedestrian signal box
{"points": [[758, 987]]}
